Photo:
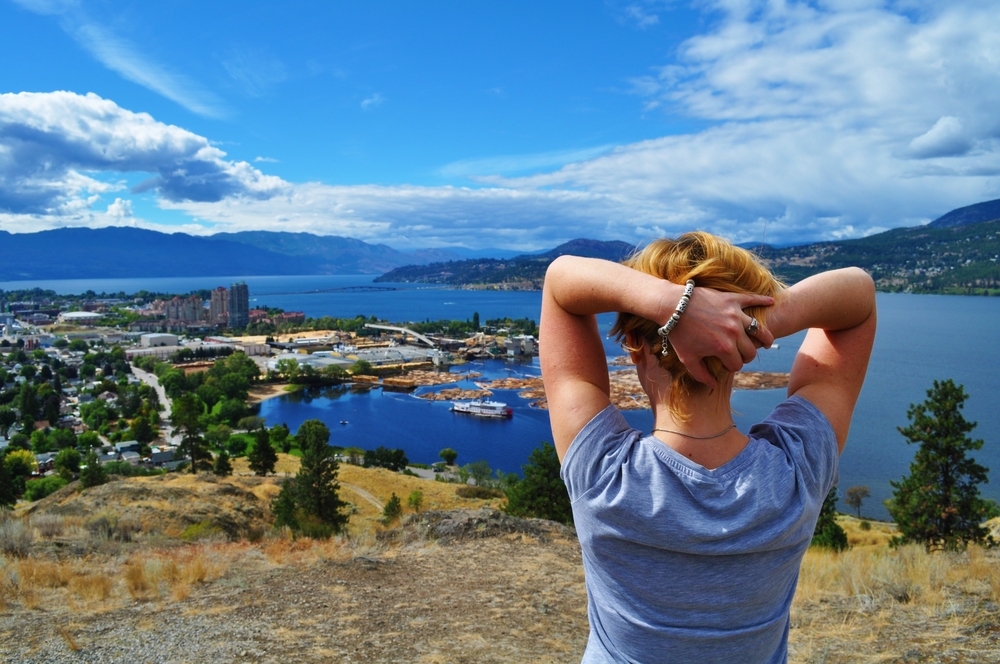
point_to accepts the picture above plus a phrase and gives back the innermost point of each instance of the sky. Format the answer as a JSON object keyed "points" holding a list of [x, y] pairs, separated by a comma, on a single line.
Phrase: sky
{"points": [[515, 125]]}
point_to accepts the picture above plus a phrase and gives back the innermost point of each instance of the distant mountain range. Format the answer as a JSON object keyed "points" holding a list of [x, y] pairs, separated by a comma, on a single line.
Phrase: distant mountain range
{"points": [[83, 253], [957, 252], [521, 272]]}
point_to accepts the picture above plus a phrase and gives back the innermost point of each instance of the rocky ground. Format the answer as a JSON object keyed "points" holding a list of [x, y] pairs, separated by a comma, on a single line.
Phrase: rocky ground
{"points": [[465, 585]]}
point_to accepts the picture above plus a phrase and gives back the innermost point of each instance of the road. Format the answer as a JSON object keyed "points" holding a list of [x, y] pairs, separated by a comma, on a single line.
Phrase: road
{"points": [[151, 380]]}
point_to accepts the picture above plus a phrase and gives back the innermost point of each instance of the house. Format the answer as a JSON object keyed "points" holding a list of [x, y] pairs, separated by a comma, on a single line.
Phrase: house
{"points": [[106, 456], [45, 461], [127, 446], [160, 458], [132, 457]]}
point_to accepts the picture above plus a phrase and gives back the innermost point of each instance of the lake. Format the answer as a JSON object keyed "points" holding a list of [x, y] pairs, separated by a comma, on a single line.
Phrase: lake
{"points": [[920, 338]]}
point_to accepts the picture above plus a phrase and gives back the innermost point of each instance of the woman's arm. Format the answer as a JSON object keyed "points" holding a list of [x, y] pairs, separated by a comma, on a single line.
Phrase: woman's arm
{"points": [[838, 309], [572, 355]]}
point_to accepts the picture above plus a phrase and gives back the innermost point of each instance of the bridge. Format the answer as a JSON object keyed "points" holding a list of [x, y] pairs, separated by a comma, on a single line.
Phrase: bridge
{"points": [[342, 289], [403, 330]]}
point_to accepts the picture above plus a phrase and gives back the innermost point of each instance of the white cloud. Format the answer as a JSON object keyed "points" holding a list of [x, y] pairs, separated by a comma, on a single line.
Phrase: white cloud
{"points": [[266, 160], [125, 58], [372, 102], [120, 209], [52, 145], [827, 120]]}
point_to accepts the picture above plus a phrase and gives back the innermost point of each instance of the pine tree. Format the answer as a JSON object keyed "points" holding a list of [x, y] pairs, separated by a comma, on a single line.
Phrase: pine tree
{"points": [[392, 510], [316, 484], [222, 466], [92, 473], [938, 503], [262, 456], [828, 534], [185, 414], [541, 494], [8, 492]]}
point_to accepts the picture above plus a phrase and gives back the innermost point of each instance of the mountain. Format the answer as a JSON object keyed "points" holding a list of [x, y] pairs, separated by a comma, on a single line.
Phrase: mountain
{"points": [[970, 214], [521, 272], [85, 253], [332, 254], [959, 259]]}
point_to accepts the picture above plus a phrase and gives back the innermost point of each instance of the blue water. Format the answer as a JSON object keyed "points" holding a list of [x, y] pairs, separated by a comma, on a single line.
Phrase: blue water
{"points": [[920, 338]]}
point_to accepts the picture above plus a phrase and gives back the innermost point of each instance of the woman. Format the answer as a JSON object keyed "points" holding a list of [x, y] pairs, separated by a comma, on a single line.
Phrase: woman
{"points": [[693, 533]]}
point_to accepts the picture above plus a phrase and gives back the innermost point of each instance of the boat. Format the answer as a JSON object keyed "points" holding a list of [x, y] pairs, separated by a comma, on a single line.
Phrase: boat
{"points": [[343, 421], [482, 408]]}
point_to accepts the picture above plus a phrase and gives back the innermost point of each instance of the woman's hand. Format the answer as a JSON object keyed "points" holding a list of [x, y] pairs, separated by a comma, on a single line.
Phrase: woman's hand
{"points": [[714, 325]]}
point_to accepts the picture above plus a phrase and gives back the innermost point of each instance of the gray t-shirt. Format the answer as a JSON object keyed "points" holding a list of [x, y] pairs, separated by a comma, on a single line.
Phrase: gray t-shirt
{"points": [[685, 564]]}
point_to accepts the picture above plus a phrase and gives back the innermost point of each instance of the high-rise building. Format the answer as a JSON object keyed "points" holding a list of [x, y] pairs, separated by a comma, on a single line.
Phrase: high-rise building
{"points": [[218, 306], [239, 305]]}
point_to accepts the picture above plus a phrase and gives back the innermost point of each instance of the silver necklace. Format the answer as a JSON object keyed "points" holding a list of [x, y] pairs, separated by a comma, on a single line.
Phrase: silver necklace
{"points": [[688, 435]]}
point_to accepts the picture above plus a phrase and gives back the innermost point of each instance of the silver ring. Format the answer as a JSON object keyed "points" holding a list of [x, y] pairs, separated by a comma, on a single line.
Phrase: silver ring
{"points": [[754, 326]]}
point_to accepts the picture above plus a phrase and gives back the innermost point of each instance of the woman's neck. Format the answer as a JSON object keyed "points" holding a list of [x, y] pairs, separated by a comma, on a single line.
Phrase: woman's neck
{"points": [[708, 436]]}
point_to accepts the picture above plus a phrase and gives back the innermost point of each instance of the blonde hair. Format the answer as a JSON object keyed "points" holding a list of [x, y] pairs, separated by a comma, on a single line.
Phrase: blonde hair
{"points": [[712, 262]]}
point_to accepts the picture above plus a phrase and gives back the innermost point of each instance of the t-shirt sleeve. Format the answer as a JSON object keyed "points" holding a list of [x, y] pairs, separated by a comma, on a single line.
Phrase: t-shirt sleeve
{"points": [[807, 437], [595, 450]]}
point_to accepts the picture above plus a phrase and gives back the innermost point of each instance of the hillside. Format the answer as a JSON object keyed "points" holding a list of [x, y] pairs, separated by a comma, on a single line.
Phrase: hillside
{"points": [[949, 258], [137, 572], [952, 259], [521, 272], [84, 253]]}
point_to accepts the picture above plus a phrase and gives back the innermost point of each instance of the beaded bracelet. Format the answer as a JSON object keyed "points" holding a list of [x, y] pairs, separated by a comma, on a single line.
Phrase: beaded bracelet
{"points": [[669, 326]]}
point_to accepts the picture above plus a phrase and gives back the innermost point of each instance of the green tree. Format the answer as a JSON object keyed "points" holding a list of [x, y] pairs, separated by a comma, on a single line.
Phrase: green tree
{"points": [[384, 457], [541, 493], [217, 435], [281, 437], [67, 462], [316, 482], [362, 368], [186, 415], [828, 534], [449, 455], [142, 430], [415, 500], [8, 492], [938, 503], [7, 419], [262, 456], [88, 439], [855, 496], [93, 473], [392, 510], [480, 472], [222, 465]]}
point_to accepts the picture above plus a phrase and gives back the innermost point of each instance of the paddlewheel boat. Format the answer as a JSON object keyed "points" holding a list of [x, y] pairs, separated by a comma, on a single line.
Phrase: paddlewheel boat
{"points": [[482, 408]]}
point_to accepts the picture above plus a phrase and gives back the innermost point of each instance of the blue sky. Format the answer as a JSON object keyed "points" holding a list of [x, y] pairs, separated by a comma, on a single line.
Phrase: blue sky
{"points": [[498, 125]]}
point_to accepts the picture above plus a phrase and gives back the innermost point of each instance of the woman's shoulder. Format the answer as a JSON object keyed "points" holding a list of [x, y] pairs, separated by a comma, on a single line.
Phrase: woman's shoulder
{"points": [[803, 432], [597, 444]]}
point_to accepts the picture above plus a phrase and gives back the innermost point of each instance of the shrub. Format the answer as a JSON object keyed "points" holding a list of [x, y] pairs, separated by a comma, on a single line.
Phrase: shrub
{"points": [[110, 527], [415, 500], [202, 531], [392, 510], [478, 492], [222, 465], [38, 489], [866, 525], [15, 538], [49, 525]]}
